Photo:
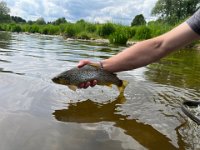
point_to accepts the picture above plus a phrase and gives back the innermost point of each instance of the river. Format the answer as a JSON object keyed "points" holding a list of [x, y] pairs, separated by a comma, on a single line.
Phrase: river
{"points": [[36, 113]]}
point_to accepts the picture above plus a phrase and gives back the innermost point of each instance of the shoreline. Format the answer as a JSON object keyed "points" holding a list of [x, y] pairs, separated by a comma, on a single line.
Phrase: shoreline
{"points": [[100, 41]]}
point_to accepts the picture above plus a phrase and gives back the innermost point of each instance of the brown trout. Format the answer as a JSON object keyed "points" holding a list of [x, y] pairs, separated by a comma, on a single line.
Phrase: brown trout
{"points": [[75, 76]]}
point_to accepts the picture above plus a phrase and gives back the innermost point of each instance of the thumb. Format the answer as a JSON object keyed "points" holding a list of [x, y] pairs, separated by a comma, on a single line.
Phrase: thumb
{"points": [[83, 63]]}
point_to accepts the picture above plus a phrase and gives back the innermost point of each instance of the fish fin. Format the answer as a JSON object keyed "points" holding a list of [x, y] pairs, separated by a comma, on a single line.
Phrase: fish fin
{"points": [[121, 97], [122, 87], [72, 87], [109, 85]]}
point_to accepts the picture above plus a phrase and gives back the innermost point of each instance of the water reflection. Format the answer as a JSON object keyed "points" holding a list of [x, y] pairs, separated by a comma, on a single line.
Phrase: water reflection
{"points": [[5, 38], [93, 112], [180, 69]]}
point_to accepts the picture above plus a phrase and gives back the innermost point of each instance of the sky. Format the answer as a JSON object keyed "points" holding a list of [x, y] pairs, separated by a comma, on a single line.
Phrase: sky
{"points": [[117, 11]]}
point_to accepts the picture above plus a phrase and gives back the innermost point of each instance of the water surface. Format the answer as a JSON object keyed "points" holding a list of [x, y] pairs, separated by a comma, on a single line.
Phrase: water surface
{"points": [[35, 113]]}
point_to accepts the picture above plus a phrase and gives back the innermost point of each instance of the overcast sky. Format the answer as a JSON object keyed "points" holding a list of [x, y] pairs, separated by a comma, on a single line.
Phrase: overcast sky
{"points": [[118, 11]]}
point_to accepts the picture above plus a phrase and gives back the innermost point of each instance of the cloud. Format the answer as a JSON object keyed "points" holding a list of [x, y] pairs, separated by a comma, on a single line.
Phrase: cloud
{"points": [[120, 11]]}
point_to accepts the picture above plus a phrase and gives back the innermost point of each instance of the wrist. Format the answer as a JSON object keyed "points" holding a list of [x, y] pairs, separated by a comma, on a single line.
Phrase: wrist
{"points": [[106, 65], [101, 65]]}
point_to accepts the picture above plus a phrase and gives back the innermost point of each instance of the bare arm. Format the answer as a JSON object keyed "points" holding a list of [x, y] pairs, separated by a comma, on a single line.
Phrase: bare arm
{"points": [[148, 51]]}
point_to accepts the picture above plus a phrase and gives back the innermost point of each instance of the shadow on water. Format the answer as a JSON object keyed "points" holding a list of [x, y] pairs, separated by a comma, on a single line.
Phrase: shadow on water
{"points": [[93, 112]]}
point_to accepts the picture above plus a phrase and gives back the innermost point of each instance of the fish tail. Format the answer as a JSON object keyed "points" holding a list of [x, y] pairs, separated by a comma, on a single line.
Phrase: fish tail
{"points": [[121, 91], [122, 87]]}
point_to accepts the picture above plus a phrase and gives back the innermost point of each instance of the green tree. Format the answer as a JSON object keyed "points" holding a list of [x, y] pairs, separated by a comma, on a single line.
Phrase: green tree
{"points": [[4, 12], [173, 11], [40, 21], [59, 21], [30, 22], [18, 19], [138, 20]]}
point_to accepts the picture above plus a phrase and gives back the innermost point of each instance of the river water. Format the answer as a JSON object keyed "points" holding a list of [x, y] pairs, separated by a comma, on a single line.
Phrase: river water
{"points": [[36, 113]]}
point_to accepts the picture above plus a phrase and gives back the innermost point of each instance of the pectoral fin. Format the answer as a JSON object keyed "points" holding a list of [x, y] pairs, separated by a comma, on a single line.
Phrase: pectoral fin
{"points": [[72, 87], [109, 85]]}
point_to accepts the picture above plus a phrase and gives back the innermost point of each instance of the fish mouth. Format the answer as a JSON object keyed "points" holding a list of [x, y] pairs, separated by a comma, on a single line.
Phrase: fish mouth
{"points": [[55, 79], [59, 80]]}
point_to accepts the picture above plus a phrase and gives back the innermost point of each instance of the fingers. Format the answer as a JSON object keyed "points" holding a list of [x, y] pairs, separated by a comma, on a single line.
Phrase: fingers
{"points": [[83, 63], [93, 83], [81, 85], [87, 84]]}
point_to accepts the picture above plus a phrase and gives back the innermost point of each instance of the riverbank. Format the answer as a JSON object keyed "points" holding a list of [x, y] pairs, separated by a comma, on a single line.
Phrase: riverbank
{"points": [[116, 34], [107, 33], [100, 41], [195, 45]]}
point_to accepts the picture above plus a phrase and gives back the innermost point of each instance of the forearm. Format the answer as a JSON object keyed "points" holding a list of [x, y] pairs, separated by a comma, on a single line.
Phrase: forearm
{"points": [[138, 55]]}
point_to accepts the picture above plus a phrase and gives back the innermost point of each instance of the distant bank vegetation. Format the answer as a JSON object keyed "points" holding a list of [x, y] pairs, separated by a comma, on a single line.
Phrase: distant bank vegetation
{"points": [[170, 14], [116, 33]]}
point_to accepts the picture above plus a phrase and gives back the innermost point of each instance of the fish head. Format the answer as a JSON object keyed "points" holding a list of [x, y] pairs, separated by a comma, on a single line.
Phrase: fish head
{"points": [[60, 80]]}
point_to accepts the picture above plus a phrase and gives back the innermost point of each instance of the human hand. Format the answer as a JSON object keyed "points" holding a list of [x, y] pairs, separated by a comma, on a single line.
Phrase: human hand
{"points": [[89, 83]]}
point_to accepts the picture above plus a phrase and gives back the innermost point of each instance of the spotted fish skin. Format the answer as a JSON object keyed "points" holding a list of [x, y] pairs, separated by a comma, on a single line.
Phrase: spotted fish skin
{"points": [[76, 76]]}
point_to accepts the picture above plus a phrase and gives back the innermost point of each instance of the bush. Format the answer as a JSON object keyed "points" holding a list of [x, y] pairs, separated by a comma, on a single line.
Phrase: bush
{"points": [[25, 28], [80, 25], [70, 31], [91, 28], [44, 30], [7, 27], [142, 33], [53, 30], [34, 29], [106, 29], [16, 28], [1, 28], [158, 28], [130, 31], [83, 35], [62, 27], [119, 37]]}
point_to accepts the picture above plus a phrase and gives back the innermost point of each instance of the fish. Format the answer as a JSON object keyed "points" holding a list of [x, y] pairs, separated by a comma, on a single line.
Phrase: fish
{"points": [[75, 76]]}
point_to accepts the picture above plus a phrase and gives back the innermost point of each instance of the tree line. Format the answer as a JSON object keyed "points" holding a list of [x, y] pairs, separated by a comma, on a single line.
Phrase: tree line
{"points": [[167, 11]]}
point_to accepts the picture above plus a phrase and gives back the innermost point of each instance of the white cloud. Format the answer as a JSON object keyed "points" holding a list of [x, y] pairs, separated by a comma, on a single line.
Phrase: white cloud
{"points": [[120, 11]]}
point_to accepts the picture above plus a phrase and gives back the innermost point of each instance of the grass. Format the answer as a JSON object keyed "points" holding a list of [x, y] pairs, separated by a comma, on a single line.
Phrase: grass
{"points": [[116, 33]]}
